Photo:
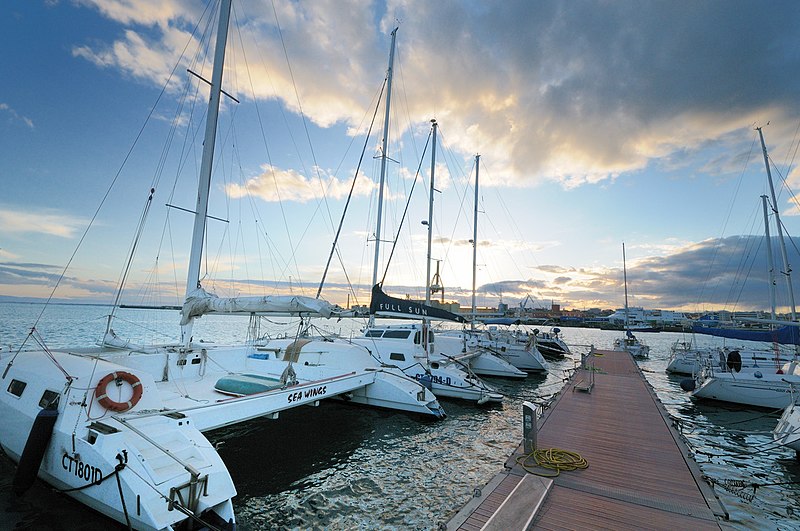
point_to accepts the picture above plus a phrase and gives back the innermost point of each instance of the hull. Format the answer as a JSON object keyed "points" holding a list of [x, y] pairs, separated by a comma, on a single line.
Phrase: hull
{"points": [[524, 356], [787, 432], [157, 460], [686, 360], [770, 391], [634, 347], [451, 349], [399, 347]]}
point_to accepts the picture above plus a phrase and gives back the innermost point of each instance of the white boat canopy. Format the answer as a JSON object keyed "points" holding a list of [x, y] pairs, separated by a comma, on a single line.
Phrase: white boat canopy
{"points": [[200, 303]]}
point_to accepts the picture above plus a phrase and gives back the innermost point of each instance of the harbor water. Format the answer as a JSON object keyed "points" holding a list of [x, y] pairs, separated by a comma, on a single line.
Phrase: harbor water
{"points": [[339, 466]]}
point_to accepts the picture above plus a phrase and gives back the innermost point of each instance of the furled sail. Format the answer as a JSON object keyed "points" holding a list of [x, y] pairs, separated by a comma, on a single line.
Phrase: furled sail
{"points": [[383, 304], [200, 302]]}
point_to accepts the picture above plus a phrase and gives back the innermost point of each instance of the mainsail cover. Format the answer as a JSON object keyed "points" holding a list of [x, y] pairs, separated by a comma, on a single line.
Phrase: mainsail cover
{"points": [[383, 304], [200, 302], [785, 335]]}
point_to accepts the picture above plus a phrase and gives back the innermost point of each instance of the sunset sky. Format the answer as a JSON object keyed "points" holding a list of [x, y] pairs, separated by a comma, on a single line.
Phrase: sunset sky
{"points": [[597, 123]]}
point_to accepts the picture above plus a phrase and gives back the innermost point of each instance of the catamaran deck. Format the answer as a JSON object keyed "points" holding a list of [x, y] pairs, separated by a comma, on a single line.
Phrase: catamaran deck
{"points": [[640, 474]]}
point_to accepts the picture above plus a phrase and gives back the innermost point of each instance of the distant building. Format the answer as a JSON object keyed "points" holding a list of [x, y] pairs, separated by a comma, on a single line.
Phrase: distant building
{"points": [[638, 316]]}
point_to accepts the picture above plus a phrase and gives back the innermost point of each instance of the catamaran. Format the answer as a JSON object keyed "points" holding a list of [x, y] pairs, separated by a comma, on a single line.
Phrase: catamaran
{"points": [[119, 427]]}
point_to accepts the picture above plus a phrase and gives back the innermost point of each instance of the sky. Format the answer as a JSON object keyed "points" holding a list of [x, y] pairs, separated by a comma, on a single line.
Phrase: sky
{"points": [[597, 124]]}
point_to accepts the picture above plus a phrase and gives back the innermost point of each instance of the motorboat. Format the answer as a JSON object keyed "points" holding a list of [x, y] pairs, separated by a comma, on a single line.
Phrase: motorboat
{"points": [[550, 344]]}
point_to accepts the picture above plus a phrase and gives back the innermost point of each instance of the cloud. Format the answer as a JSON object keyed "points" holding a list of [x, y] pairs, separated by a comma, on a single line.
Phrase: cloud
{"points": [[47, 222], [14, 116], [577, 92], [274, 184]]}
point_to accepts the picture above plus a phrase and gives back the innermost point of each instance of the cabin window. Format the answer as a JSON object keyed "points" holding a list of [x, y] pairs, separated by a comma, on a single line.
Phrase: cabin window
{"points": [[434, 365], [397, 357], [416, 339], [49, 398], [16, 387], [397, 334], [374, 333], [195, 361]]}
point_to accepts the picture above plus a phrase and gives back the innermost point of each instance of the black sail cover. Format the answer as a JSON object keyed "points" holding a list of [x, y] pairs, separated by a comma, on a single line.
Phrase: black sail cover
{"points": [[383, 304]]}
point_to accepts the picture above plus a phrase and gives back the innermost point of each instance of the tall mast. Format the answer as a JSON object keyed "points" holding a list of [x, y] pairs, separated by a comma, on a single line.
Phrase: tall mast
{"points": [[475, 243], [625, 280], [426, 322], [787, 271], [430, 215], [384, 147], [770, 265], [204, 185]]}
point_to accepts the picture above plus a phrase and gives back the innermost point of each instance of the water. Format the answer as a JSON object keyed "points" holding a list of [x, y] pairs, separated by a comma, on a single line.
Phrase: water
{"points": [[347, 467]]}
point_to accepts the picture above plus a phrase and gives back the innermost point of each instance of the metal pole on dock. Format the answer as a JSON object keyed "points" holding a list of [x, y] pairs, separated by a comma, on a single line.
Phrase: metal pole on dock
{"points": [[529, 428]]}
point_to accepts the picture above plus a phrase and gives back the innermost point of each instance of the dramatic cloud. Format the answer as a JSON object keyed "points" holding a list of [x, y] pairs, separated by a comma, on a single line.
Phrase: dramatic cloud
{"points": [[578, 92]]}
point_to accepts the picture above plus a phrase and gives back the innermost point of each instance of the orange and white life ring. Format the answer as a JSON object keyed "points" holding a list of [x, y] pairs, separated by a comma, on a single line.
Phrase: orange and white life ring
{"points": [[102, 396]]}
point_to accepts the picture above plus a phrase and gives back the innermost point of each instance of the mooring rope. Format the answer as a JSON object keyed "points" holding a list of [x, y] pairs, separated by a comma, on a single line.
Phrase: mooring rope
{"points": [[552, 459]]}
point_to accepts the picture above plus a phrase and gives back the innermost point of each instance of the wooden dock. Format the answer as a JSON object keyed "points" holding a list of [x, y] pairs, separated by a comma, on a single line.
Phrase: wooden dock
{"points": [[640, 474]]}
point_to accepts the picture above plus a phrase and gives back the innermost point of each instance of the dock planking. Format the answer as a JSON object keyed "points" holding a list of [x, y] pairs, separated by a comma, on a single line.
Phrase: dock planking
{"points": [[640, 474]]}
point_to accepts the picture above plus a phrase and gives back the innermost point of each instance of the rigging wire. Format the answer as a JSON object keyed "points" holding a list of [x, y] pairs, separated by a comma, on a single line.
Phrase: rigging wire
{"points": [[350, 195], [405, 211]]}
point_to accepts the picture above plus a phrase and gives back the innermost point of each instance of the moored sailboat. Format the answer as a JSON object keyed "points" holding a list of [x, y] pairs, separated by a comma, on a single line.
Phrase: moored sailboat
{"points": [[629, 342], [761, 386], [525, 357]]}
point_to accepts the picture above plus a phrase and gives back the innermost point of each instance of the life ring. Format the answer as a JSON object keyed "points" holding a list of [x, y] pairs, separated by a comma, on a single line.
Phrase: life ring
{"points": [[102, 396]]}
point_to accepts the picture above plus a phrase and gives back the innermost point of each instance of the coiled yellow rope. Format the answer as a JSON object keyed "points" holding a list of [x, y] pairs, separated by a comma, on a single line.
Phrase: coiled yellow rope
{"points": [[552, 459]]}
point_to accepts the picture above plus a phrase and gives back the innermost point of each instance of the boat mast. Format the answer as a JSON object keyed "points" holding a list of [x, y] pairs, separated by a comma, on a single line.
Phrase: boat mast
{"points": [[787, 271], [384, 147], [475, 243], [430, 214], [204, 185], [770, 265], [625, 281], [426, 322]]}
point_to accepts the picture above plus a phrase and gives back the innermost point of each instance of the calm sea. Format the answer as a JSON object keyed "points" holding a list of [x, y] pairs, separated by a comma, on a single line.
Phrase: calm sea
{"points": [[347, 467]]}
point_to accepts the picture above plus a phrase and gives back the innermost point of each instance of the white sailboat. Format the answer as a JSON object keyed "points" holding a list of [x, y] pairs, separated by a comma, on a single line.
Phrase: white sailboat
{"points": [[409, 347], [630, 343], [119, 427], [689, 360], [525, 357], [766, 386]]}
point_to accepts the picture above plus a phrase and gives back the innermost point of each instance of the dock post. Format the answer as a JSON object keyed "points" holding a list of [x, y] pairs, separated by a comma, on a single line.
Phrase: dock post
{"points": [[529, 428]]}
